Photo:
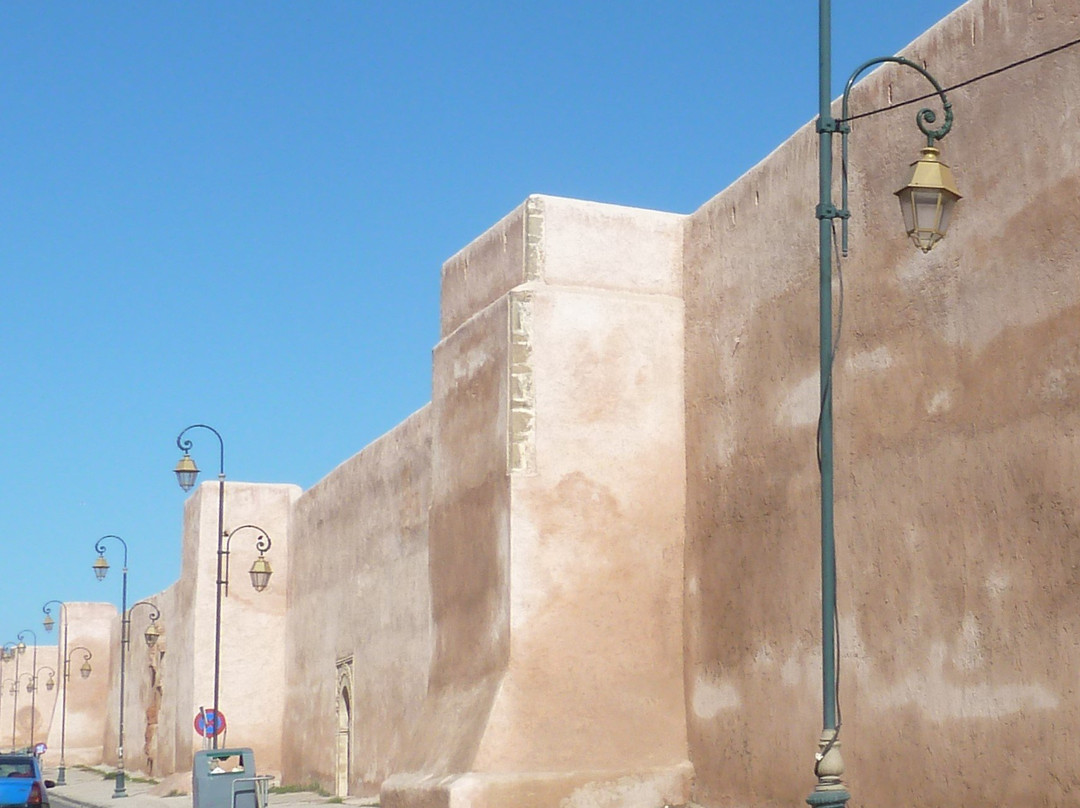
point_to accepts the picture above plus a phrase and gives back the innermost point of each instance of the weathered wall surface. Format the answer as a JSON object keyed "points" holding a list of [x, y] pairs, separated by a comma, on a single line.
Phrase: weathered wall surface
{"points": [[25, 717], [88, 713], [566, 583], [173, 741], [957, 401], [558, 488], [359, 616], [167, 684], [252, 646], [152, 749]]}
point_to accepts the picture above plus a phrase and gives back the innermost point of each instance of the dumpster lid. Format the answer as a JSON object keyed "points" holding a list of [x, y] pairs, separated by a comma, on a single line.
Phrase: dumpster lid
{"points": [[217, 754]]}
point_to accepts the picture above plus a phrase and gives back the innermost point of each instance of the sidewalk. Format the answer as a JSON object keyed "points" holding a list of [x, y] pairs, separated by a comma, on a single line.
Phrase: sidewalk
{"points": [[89, 789]]}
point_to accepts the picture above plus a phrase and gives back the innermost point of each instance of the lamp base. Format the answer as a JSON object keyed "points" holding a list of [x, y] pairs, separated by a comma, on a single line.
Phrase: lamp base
{"points": [[830, 791], [61, 779], [829, 798], [120, 791]]}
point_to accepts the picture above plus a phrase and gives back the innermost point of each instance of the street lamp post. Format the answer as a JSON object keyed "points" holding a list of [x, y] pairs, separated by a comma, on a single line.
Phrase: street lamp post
{"points": [[32, 688], [15, 685], [84, 671], [8, 653], [48, 622], [186, 473], [15, 694], [33, 669], [101, 568], [5, 656], [50, 683], [151, 635], [926, 202], [9, 685]]}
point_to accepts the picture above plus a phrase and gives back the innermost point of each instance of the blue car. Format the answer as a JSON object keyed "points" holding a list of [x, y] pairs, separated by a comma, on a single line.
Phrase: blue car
{"points": [[21, 782]]}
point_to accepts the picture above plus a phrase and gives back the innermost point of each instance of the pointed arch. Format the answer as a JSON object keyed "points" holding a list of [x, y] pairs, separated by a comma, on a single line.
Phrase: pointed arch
{"points": [[344, 701]]}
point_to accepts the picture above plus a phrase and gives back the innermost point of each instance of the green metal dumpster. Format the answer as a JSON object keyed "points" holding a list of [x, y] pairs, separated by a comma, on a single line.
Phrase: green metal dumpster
{"points": [[224, 778]]}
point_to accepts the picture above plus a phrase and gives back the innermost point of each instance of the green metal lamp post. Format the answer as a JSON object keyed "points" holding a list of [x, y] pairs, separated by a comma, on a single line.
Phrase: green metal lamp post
{"points": [[101, 568], [84, 672], [15, 686], [10, 652], [33, 668], [186, 473], [7, 654], [926, 202], [48, 622]]}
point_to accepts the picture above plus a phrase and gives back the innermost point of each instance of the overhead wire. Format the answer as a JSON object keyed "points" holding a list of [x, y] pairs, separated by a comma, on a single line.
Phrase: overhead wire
{"points": [[965, 83]]}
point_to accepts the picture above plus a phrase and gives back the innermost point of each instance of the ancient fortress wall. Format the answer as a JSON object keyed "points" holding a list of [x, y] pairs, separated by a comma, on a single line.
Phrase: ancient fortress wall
{"points": [[957, 407], [31, 721], [90, 628], [359, 629], [557, 490], [587, 574], [167, 685]]}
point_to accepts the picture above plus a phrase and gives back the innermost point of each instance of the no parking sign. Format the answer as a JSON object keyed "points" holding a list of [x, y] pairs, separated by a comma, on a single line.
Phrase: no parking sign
{"points": [[209, 723]]}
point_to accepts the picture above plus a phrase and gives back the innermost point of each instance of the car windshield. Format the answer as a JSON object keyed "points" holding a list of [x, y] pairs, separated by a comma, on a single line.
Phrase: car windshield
{"points": [[16, 767]]}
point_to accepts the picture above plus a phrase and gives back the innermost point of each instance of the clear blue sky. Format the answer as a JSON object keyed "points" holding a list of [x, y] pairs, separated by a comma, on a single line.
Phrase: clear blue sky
{"points": [[235, 213]]}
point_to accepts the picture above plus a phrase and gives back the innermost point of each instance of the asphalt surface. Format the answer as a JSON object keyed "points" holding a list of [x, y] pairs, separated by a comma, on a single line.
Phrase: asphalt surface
{"points": [[92, 788]]}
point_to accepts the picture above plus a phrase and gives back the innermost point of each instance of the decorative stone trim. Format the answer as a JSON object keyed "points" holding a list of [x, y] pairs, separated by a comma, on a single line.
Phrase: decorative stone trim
{"points": [[521, 441]]}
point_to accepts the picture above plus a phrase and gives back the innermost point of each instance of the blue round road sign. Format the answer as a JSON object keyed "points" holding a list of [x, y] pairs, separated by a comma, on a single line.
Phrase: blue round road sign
{"points": [[208, 723]]}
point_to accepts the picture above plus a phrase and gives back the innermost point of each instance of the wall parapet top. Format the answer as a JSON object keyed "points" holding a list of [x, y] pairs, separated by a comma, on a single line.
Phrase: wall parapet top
{"points": [[568, 242]]}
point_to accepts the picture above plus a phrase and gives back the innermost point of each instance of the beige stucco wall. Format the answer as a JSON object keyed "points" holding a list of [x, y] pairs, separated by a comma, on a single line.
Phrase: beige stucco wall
{"points": [[88, 703], [30, 722], [173, 743], [557, 490], [167, 684], [588, 572], [360, 611], [957, 413]]}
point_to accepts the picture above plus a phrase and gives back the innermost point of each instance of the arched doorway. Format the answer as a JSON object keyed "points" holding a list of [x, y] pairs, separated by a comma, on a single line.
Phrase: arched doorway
{"points": [[344, 726]]}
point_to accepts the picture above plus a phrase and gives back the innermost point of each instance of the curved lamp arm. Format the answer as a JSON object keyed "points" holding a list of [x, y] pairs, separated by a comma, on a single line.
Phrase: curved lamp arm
{"points": [[152, 632], [22, 642], [49, 685], [186, 470], [262, 568], [100, 566], [87, 655], [923, 119], [48, 622], [84, 671], [155, 613]]}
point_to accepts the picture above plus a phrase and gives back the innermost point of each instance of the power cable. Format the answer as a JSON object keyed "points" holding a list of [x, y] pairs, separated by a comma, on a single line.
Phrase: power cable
{"points": [[980, 77]]}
